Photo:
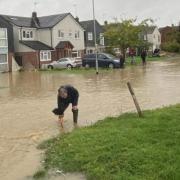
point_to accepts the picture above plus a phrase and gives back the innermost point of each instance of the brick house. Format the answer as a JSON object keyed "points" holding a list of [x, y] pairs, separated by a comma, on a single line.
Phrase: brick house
{"points": [[167, 33], [40, 40]]}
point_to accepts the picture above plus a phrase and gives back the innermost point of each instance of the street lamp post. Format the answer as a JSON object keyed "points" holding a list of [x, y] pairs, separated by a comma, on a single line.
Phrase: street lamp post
{"points": [[95, 38]]}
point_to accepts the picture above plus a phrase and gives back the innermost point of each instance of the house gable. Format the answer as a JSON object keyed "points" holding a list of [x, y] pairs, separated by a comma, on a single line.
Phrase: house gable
{"points": [[69, 30], [154, 37]]}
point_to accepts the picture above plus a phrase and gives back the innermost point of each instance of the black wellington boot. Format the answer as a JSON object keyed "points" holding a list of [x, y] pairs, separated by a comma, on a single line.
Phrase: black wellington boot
{"points": [[75, 116]]}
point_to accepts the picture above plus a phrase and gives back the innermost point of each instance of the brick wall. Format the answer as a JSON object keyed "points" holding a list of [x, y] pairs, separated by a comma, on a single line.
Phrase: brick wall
{"points": [[30, 60], [10, 56]]}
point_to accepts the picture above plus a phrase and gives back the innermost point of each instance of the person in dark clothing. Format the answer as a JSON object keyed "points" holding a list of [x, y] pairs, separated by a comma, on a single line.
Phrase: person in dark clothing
{"points": [[67, 94], [143, 56], [132, 54], [122, 60]]}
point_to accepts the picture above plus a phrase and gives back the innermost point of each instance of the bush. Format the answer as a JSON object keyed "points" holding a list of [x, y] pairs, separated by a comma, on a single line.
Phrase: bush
{"points": [[171, 47]]}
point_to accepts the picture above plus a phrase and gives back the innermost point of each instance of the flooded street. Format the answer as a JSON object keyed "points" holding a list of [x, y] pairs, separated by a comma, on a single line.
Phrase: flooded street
{"points": [[27, 98]]}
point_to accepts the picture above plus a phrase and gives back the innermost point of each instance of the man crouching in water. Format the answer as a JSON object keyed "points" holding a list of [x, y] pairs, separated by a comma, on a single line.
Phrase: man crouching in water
{"points": [[67, 94]]}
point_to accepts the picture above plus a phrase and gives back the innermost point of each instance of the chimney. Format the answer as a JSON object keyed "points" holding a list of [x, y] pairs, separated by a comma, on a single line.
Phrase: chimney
{"points": [[34, 20], [34, 15], [77, 19]]}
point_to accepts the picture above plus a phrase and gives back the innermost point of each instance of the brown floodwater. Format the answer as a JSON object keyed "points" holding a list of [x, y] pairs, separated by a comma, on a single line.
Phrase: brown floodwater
{"points": [[27, 98]]}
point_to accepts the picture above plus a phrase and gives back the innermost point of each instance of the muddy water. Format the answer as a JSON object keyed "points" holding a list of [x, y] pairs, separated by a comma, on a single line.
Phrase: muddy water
{"points": [[27, 98]]}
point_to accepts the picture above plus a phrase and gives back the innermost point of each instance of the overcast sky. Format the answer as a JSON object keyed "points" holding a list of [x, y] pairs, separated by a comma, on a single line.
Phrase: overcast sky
{"points": [[164, 12]]}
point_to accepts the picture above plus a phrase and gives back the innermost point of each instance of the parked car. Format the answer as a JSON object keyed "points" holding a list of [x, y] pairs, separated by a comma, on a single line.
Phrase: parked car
{"points": [[78, 61], [156, 53], [64, 63], [104, 60]]}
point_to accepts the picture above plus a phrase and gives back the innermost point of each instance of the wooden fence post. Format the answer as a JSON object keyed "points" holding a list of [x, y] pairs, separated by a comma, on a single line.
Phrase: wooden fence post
{"points": [[134, 99]]}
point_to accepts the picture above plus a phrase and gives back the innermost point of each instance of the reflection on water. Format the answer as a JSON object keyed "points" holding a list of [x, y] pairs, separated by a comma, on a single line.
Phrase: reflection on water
{"points": [[27, 98]]}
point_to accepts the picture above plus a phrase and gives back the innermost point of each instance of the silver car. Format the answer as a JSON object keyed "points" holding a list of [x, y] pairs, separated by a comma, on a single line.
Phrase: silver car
{"points": [[63, 63]]}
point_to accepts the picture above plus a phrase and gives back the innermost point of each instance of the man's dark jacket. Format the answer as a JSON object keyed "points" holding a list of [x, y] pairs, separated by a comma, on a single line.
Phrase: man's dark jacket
{"points": [[63, 103]]}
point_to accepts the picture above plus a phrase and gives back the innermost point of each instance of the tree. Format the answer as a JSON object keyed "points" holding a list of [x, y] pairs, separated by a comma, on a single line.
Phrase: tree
{"points": [[125, 34]]}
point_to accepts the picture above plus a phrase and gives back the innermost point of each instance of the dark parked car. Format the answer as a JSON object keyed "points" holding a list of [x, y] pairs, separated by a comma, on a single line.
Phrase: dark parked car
{"points": [[156, 53], [104, 60]]}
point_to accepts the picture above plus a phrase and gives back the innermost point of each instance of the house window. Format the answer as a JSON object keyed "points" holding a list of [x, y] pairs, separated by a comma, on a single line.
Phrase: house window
{"points": [[60, 34], [77, 35], [101, 39], [27, 34], [3, 33], [45, 56], [3, 37], [70, 34], [89, 51], [3, 43], [3, 59], [145, 37], [90, 36]]}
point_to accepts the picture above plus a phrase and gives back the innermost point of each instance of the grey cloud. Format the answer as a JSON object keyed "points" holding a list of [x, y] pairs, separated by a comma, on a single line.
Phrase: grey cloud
{"points": [[163, 11]]}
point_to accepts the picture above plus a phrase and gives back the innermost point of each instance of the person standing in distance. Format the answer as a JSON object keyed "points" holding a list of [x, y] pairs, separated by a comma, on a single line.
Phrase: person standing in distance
{"points": [[67, 94], [143, 56]]}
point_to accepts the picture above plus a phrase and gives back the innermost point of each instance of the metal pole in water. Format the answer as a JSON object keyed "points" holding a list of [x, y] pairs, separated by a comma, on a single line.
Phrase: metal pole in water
{"points": [[95, 38]]}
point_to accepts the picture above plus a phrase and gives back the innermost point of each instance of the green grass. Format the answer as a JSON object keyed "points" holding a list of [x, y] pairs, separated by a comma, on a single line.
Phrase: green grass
{"points": [[124, 147], [39, 174], [139, 61]]}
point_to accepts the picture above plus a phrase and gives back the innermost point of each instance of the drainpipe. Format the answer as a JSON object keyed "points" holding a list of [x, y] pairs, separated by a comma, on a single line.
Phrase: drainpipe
{"points": [[51, 37], [52, 43], [38, 59], [21, 33]]}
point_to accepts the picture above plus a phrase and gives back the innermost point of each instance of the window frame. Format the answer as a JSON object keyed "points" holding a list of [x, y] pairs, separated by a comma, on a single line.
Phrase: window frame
{"points": [[4, 38], [77, 34], [70, 34], [47, 54], [60, 33], [90, 36], [27, 34], [101, 37], [6, 59]]}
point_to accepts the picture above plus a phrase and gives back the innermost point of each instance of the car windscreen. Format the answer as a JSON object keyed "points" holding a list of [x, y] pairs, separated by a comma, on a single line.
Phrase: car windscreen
{"points": [[110, 56], [62, 60]]}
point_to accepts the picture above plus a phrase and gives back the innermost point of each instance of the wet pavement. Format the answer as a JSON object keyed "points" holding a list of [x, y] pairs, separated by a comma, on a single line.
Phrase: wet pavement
{"points": [[27, 98]]}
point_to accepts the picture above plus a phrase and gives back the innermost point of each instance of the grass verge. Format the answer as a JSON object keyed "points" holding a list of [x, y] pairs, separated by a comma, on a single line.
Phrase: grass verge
{"points": [[149, 58], [124, 147]]}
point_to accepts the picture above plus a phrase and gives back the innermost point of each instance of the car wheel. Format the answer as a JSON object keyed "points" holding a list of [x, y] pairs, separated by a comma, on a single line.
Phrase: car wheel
{"points": [[87, 66], [69, 66], [50, 67], [111, 65]]}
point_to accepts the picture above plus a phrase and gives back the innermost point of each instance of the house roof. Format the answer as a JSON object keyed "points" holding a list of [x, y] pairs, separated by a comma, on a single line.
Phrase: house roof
{"points": [[87, 24], [89, 27], [63, 44], [44, 21], [150, 29], [169, 28], [36, 45]]}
